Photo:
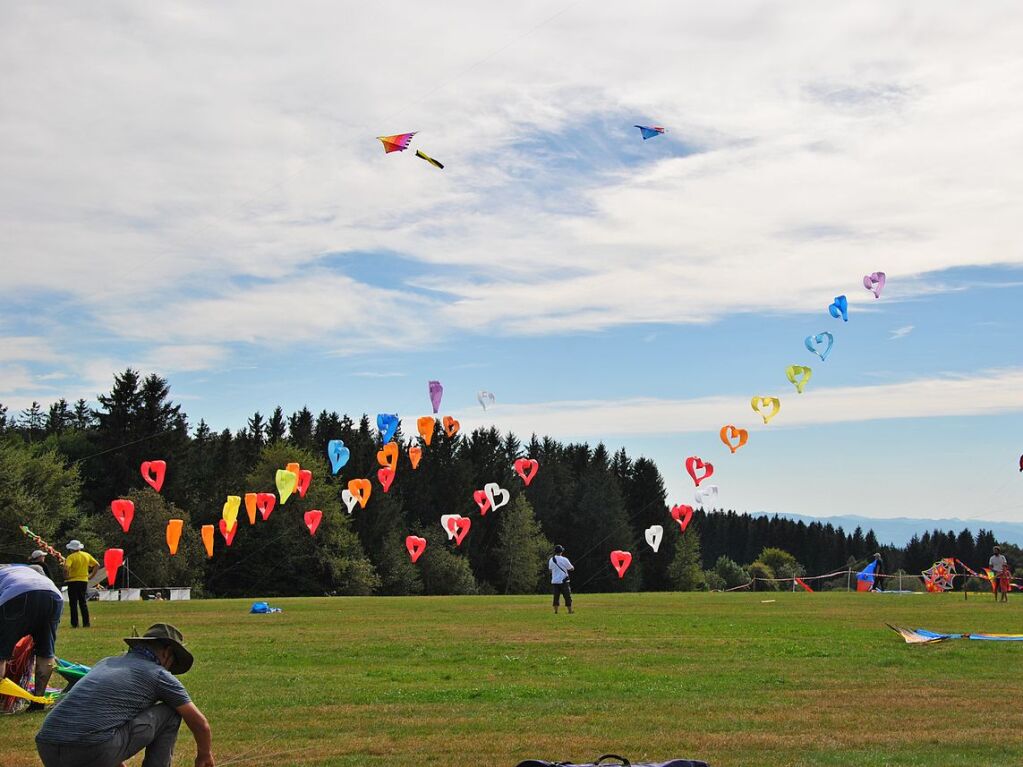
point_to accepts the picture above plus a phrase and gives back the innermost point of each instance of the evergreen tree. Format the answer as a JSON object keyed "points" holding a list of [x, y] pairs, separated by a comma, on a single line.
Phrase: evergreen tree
{"points": [[685, 573], [83, 417], [276, 428], [522, 549], [32, 421]]}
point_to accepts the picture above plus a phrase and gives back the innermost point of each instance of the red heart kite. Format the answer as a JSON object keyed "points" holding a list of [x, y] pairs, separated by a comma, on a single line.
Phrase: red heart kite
{"points": [[312, 520], [124, 512], [416, 546], [527, 468], [153, 472], [621, 560], [693, 464]]}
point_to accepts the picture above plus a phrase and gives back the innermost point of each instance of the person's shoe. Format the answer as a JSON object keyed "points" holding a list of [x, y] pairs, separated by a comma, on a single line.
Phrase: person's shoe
{"points": [[35, 707]]}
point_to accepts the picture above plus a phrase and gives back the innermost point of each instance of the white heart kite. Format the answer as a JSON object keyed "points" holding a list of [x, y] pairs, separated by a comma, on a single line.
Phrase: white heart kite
{"points": [[485, 398], [449, 529], [493, 490], [348, 500], [654, 534], [711, 491]]}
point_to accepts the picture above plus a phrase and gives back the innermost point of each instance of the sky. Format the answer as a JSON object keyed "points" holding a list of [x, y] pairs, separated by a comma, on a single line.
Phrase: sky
{"points": [[197, 191]]}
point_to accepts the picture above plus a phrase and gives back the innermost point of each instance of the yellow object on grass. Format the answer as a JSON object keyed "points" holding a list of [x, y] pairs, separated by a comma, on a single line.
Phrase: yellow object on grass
{"points": [[8, 687]]}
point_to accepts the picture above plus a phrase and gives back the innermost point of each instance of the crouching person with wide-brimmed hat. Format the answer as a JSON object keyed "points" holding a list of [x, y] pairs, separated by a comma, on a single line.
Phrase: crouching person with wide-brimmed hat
{"points": [[125, 704]]}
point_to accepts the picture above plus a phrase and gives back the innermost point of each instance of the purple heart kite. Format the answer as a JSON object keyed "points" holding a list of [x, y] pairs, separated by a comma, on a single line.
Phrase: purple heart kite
{"points": [[874, 283]]}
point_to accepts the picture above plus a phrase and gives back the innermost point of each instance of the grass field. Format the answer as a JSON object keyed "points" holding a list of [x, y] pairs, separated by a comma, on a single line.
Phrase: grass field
{"points": [[810, 679]]}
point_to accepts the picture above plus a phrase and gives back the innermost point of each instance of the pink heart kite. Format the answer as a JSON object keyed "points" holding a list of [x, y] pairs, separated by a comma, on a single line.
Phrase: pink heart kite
{"points": [[620, 561], [874, 282], [527, 468]]}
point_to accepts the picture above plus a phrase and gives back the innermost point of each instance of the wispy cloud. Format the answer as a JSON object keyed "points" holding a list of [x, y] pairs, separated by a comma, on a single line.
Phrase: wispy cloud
{"points": [[902, 332], [992, 392], [373, 374]]}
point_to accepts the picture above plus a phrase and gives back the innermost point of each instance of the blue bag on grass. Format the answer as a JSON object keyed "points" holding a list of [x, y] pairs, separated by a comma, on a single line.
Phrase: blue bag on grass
{"points": [[621, 762]]}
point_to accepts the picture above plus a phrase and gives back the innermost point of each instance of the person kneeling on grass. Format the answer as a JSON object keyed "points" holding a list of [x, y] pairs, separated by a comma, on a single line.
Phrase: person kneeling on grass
{"points": [[125, 704]]}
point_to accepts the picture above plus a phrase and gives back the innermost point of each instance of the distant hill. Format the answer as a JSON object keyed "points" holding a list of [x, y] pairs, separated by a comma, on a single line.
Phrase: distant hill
{"points": [[898, 530]]}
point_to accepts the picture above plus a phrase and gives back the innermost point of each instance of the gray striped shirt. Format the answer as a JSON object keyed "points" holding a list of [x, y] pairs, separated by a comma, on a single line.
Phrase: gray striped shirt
{"points": [[115, 691]]}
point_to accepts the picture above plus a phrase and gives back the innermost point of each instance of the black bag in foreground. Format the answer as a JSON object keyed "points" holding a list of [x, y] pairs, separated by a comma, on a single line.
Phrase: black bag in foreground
{"points": [[621, 762]]}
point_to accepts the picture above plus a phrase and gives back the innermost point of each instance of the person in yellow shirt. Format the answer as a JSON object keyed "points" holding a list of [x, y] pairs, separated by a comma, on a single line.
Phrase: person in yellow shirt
{"points": [[78, 568]]}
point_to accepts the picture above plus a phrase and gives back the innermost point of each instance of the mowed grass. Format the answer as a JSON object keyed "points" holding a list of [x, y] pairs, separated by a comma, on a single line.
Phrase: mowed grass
{"points": [[809, 679]]}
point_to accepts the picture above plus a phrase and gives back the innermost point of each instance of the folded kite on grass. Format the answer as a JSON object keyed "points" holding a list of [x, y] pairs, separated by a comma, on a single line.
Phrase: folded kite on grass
{"points": [[923, 636]]}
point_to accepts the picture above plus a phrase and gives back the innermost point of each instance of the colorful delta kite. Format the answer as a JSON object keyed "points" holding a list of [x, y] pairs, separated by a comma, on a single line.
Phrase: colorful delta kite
{"points": [[649, 131], [942, 574], [865, 577], [923, 636], [424, 156], [397, 143]]}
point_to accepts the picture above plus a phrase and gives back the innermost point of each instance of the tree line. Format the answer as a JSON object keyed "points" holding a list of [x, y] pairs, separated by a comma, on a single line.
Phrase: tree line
{"points": [[60, 468]]}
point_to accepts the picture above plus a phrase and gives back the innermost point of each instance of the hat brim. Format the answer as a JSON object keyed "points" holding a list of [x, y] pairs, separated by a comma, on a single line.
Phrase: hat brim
{"points": [[182, 658]]}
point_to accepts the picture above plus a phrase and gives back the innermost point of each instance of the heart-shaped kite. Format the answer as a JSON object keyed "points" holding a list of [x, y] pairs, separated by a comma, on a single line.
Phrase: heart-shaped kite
{"points": [[654, 534], [436, 392], [451, 426], [415, 455], [124, 512], [265, 503], [706, 493], [312, 520], [459, 527], [286, 482], [250, 507], [840, 308], [361, 489], [527, 468], [426, 425], [294, 468], [174, 527], [207, 539], [799, 375], [729, 432], [338, 454], [448, 529], [694, 464], [228, 531], [230, 512], [415, 546], [385, 476], [683, 515], [153, 473], [387, 425], [112, 560], [305, 476], [620, 561], [760, 405], [389, 456], [482, 500], [812, 342], [495, 491], [348, 500], [485, 398], [874, 282]]}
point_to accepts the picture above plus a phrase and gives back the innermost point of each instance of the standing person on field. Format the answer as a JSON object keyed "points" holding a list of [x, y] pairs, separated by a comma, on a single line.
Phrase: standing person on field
{"points": [[37, 561], [560, 567], [29, 605], [125, 704], [876, 585], [79, 567], [1000, 567]]}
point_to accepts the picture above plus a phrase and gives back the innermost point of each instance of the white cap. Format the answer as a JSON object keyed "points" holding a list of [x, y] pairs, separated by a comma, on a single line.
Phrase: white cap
{"points": [[37, 554], [75, 545]]}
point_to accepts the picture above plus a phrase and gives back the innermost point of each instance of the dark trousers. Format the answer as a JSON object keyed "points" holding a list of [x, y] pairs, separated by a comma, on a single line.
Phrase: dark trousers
{"points": [[562, 588], [155, 730], [77, 595]]}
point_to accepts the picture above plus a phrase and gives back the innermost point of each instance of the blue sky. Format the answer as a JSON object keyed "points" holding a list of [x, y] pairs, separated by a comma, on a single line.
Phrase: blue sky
{"points": [[198, 192]]}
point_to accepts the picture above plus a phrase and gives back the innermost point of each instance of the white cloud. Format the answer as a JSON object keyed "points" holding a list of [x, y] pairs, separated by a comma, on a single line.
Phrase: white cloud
{"points": [[902, 332], [151, 152], [26, 349], [992, 392]]}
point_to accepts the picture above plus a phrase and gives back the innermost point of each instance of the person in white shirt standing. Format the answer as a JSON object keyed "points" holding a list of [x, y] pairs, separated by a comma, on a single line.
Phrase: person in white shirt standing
{"points": [[560, 567], [1000, 567]]}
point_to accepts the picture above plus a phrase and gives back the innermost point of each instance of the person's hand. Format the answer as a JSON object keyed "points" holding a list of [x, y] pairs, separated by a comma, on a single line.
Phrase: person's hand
{"points": [[204, 760]]}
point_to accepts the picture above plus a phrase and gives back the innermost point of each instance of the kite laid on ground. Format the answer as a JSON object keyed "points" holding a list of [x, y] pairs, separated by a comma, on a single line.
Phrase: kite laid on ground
{"points": [[397, 143], [424, 156], [923, 636], [649, 131]]}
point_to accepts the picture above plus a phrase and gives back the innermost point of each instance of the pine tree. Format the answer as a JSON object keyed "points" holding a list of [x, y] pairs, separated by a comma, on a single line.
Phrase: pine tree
{"points": [[685, 573], [521, 552], [276, 428]]}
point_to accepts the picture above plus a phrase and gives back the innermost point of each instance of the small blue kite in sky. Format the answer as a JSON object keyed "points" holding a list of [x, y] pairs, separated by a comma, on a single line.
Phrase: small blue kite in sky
{"points": [[649, 131]]}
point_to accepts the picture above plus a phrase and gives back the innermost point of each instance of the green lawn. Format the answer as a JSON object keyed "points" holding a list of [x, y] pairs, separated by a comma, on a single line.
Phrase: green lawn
{"points": [[810, 679]]}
